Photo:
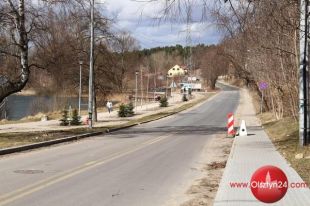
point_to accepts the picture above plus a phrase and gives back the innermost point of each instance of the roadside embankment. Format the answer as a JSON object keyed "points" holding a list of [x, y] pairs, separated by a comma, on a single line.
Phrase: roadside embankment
{"points": [[285, 136]]}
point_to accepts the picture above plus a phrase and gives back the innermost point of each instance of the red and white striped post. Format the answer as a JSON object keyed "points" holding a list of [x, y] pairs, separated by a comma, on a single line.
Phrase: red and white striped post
{"points": [[230, 125]]}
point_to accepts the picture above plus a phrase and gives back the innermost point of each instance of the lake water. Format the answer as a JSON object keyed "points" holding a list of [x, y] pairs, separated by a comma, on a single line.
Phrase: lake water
{"points": [[19, 106]]}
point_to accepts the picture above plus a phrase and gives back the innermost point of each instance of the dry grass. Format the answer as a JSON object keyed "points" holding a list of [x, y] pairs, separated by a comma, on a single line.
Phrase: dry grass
{"points": [[284, 135], [17, 139], [216, 165]]}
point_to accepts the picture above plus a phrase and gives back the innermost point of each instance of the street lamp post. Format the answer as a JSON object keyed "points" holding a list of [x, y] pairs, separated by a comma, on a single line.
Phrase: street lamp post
{"points": [[167, 85], [91, 67], [155, 85], [136, 89], [141, 75], [80, 87]]}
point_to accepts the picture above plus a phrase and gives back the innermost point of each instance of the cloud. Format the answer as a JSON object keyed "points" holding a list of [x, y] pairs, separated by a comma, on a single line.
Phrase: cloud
{"points": [[138, 18]]}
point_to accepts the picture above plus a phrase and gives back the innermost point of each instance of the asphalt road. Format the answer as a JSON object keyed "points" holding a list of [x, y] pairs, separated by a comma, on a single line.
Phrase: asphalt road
{"points": [[143, 165]]}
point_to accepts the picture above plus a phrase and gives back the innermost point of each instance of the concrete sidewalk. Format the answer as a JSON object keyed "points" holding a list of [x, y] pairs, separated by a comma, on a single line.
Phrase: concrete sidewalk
{"points": [[250, 153], [104, 118]]}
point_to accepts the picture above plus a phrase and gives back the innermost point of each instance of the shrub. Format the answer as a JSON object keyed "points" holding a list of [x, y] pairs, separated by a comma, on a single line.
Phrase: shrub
{"points": [[131, 109], [64, 121], [126, 110], [163, 102], [122, 112], [76, 119], [184, 98]]}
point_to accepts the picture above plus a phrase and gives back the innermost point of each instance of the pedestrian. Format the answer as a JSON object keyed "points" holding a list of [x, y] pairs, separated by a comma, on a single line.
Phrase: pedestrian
{"points": [[109, 106]]}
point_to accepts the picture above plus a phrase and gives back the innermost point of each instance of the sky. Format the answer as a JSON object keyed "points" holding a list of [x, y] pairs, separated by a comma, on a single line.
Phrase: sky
{"points": [[138, 19]]}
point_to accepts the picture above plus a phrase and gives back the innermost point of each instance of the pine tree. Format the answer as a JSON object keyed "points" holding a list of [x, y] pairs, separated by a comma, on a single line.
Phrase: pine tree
{"points": [[76, 119], [130, 109], [126, 110], [163, 102], [184, 98], [64, 120]]}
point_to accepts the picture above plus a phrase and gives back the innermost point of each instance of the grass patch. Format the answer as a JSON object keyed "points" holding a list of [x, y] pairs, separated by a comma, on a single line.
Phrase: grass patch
{"points": [[285, 136], [23, 138]]}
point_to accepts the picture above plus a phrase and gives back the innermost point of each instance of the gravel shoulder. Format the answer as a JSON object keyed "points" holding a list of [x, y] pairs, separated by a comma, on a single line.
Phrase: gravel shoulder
{"points": [[203, 190]]}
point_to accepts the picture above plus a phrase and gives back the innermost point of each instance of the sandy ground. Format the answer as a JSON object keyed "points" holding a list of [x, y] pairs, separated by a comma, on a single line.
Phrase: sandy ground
{"points": [[203, 190]]}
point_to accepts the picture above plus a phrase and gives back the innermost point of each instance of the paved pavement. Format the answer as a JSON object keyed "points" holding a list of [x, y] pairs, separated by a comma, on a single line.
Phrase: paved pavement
{"points": [[104, 118], [140, 166], [247, 155]]}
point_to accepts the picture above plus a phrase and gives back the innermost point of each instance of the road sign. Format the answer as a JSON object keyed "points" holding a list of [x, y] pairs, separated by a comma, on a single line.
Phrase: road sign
{"points": [[263, 85], [230, 124]]}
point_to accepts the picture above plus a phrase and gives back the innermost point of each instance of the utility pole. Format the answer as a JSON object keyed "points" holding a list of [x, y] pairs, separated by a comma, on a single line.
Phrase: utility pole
{"points": [[303, 74], [136, 90], [80, 87], [155, 85], [147, 83], [91, 67], [141, 77], [167, 85], [189, 43]]}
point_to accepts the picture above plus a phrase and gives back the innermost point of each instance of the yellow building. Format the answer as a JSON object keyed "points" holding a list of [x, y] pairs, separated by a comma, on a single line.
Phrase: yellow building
{"points": [[176, 71]]}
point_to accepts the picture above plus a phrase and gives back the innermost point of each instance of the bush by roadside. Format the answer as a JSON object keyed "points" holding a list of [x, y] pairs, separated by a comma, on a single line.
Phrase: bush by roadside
{"points": [[184, 98], [163, 102], [64, 121], [76, 119], [126, 110], [73, 119]]}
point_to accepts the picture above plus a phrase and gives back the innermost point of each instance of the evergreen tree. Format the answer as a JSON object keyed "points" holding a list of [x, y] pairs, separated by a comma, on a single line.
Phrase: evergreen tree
{"points": [[76, 119], [130, 109], [126, 110], [163, 102], [184, 98], [64, 120]]}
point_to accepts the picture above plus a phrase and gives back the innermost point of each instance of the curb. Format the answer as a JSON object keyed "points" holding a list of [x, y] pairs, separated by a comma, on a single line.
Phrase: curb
{"points": [[120, 128], [78, 137]]}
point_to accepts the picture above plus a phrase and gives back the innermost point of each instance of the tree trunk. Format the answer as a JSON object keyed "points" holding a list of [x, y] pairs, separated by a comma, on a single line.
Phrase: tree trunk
{"points": [[7, 86]]}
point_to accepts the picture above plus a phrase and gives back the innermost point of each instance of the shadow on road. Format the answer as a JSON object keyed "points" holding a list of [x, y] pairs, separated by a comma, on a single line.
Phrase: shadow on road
{"points": [[186, 130]]}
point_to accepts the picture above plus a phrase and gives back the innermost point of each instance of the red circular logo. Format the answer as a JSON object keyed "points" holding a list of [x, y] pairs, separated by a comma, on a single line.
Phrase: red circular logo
{"points": [[269, 184]]}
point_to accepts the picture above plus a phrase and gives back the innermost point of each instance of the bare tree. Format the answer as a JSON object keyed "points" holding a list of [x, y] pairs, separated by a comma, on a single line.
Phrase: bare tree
{"points": [[15, 32], [123, 45]]}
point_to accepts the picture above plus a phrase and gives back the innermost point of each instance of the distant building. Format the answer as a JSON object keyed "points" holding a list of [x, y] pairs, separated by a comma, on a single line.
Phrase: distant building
{"points": [[176, 71]]}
